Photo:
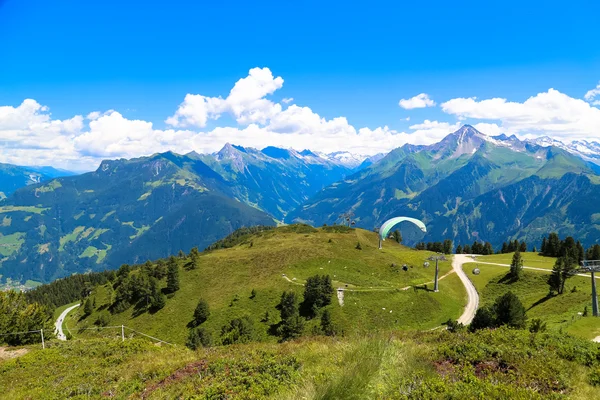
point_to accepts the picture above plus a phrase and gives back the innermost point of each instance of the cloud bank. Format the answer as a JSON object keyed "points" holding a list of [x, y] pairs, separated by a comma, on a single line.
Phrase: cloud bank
{"points": [[30, 136]]}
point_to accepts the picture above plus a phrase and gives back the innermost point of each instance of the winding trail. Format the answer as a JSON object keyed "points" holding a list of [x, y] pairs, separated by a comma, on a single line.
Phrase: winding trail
{"points": [[60, 335], [472, 295]]}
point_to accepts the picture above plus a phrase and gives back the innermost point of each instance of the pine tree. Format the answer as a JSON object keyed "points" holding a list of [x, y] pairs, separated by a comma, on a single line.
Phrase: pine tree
{"points": [[397, 236], [467, 249], [553, 245], [555, 278], [544, 244], [326, 324], [488, 249], [158, 301], [563, 269], [484, 318], [580, 252], [510, 247], [516, 266], [172, 277], [523, 247], [88, 307], [459, 249], [509, 310], [201, 313], [318, 291], [504, 248], [198, 337], [195, 257], [288, 305], [447, 246]]}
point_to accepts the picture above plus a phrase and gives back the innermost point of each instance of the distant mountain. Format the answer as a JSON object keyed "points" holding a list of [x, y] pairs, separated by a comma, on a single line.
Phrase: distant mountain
{"points": [[451, 186], [274, 180], [13, 177], [129, 211]]}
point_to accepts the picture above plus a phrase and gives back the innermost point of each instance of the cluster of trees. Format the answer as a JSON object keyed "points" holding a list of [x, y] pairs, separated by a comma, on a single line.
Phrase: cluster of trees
{"points": [[563, 269], [18, 315], [67, 290], [476, 248], [143, 287], [513, 245], [553, 246], [593, 253], [198, 336], [318, 293], [506, 310], [439, 247]]}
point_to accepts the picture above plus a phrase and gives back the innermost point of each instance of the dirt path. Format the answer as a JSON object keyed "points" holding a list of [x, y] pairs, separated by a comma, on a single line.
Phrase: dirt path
{"points": [[6, 355], [474, 260], [60, 335], [472, 295]]}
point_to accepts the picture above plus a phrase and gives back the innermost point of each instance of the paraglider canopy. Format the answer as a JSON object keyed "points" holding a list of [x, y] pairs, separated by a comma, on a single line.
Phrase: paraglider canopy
{"points": [[387, 226]]}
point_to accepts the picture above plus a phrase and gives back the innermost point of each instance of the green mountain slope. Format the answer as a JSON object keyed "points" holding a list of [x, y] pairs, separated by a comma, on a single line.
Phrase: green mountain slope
{"points": [[451, 186], [274, 180], [126, 211], [13, 177], [378, 293]]}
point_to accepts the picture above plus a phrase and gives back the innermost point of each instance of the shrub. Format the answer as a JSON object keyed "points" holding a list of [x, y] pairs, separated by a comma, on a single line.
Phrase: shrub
{"points": [[201, 313], [199, 337], [318, 291], [238, 330], [103, 319]]}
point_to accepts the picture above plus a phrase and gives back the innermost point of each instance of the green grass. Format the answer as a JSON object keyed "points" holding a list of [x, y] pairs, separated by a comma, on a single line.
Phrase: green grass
{"points": [[11, 243], [32, 284], [498, 364], [559, 311], [71, 237], [530, 259], [29, 209], [260, 262]]}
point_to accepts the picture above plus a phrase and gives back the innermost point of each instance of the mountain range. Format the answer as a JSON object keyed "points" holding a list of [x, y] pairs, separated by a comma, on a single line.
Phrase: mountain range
{"points": [[470, 187], [467, 187], [13, 177], [130, 211]]}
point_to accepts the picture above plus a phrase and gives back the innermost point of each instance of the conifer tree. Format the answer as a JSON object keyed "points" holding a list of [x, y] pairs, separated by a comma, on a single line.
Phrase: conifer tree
{"points": [[516, 266], [172, 276]]}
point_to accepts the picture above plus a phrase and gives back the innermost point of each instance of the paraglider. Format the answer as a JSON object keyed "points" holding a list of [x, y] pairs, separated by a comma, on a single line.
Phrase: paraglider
{"points": [[387, 226]]}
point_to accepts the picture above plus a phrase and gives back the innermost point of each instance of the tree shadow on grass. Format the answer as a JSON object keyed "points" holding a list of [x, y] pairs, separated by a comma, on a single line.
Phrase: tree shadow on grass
{"points": [[422, 287], [507, 279], [541, 301]]}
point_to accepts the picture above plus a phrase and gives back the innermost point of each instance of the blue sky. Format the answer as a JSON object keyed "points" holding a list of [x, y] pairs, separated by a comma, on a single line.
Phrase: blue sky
{"points": [[340, 59]]}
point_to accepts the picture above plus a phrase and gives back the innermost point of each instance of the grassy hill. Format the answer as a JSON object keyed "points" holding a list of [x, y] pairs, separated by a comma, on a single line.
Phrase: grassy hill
{"points": [[379, 294], [560, 312]]}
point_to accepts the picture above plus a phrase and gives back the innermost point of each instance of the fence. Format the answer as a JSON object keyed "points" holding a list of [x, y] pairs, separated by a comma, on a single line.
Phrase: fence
{"points": [[96, 328]]}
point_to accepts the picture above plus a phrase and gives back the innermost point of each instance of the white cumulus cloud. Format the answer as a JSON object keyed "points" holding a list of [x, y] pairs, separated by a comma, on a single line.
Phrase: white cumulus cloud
{"points": [[549, 113], [592, 94], [419, 101], [246, 102]]}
